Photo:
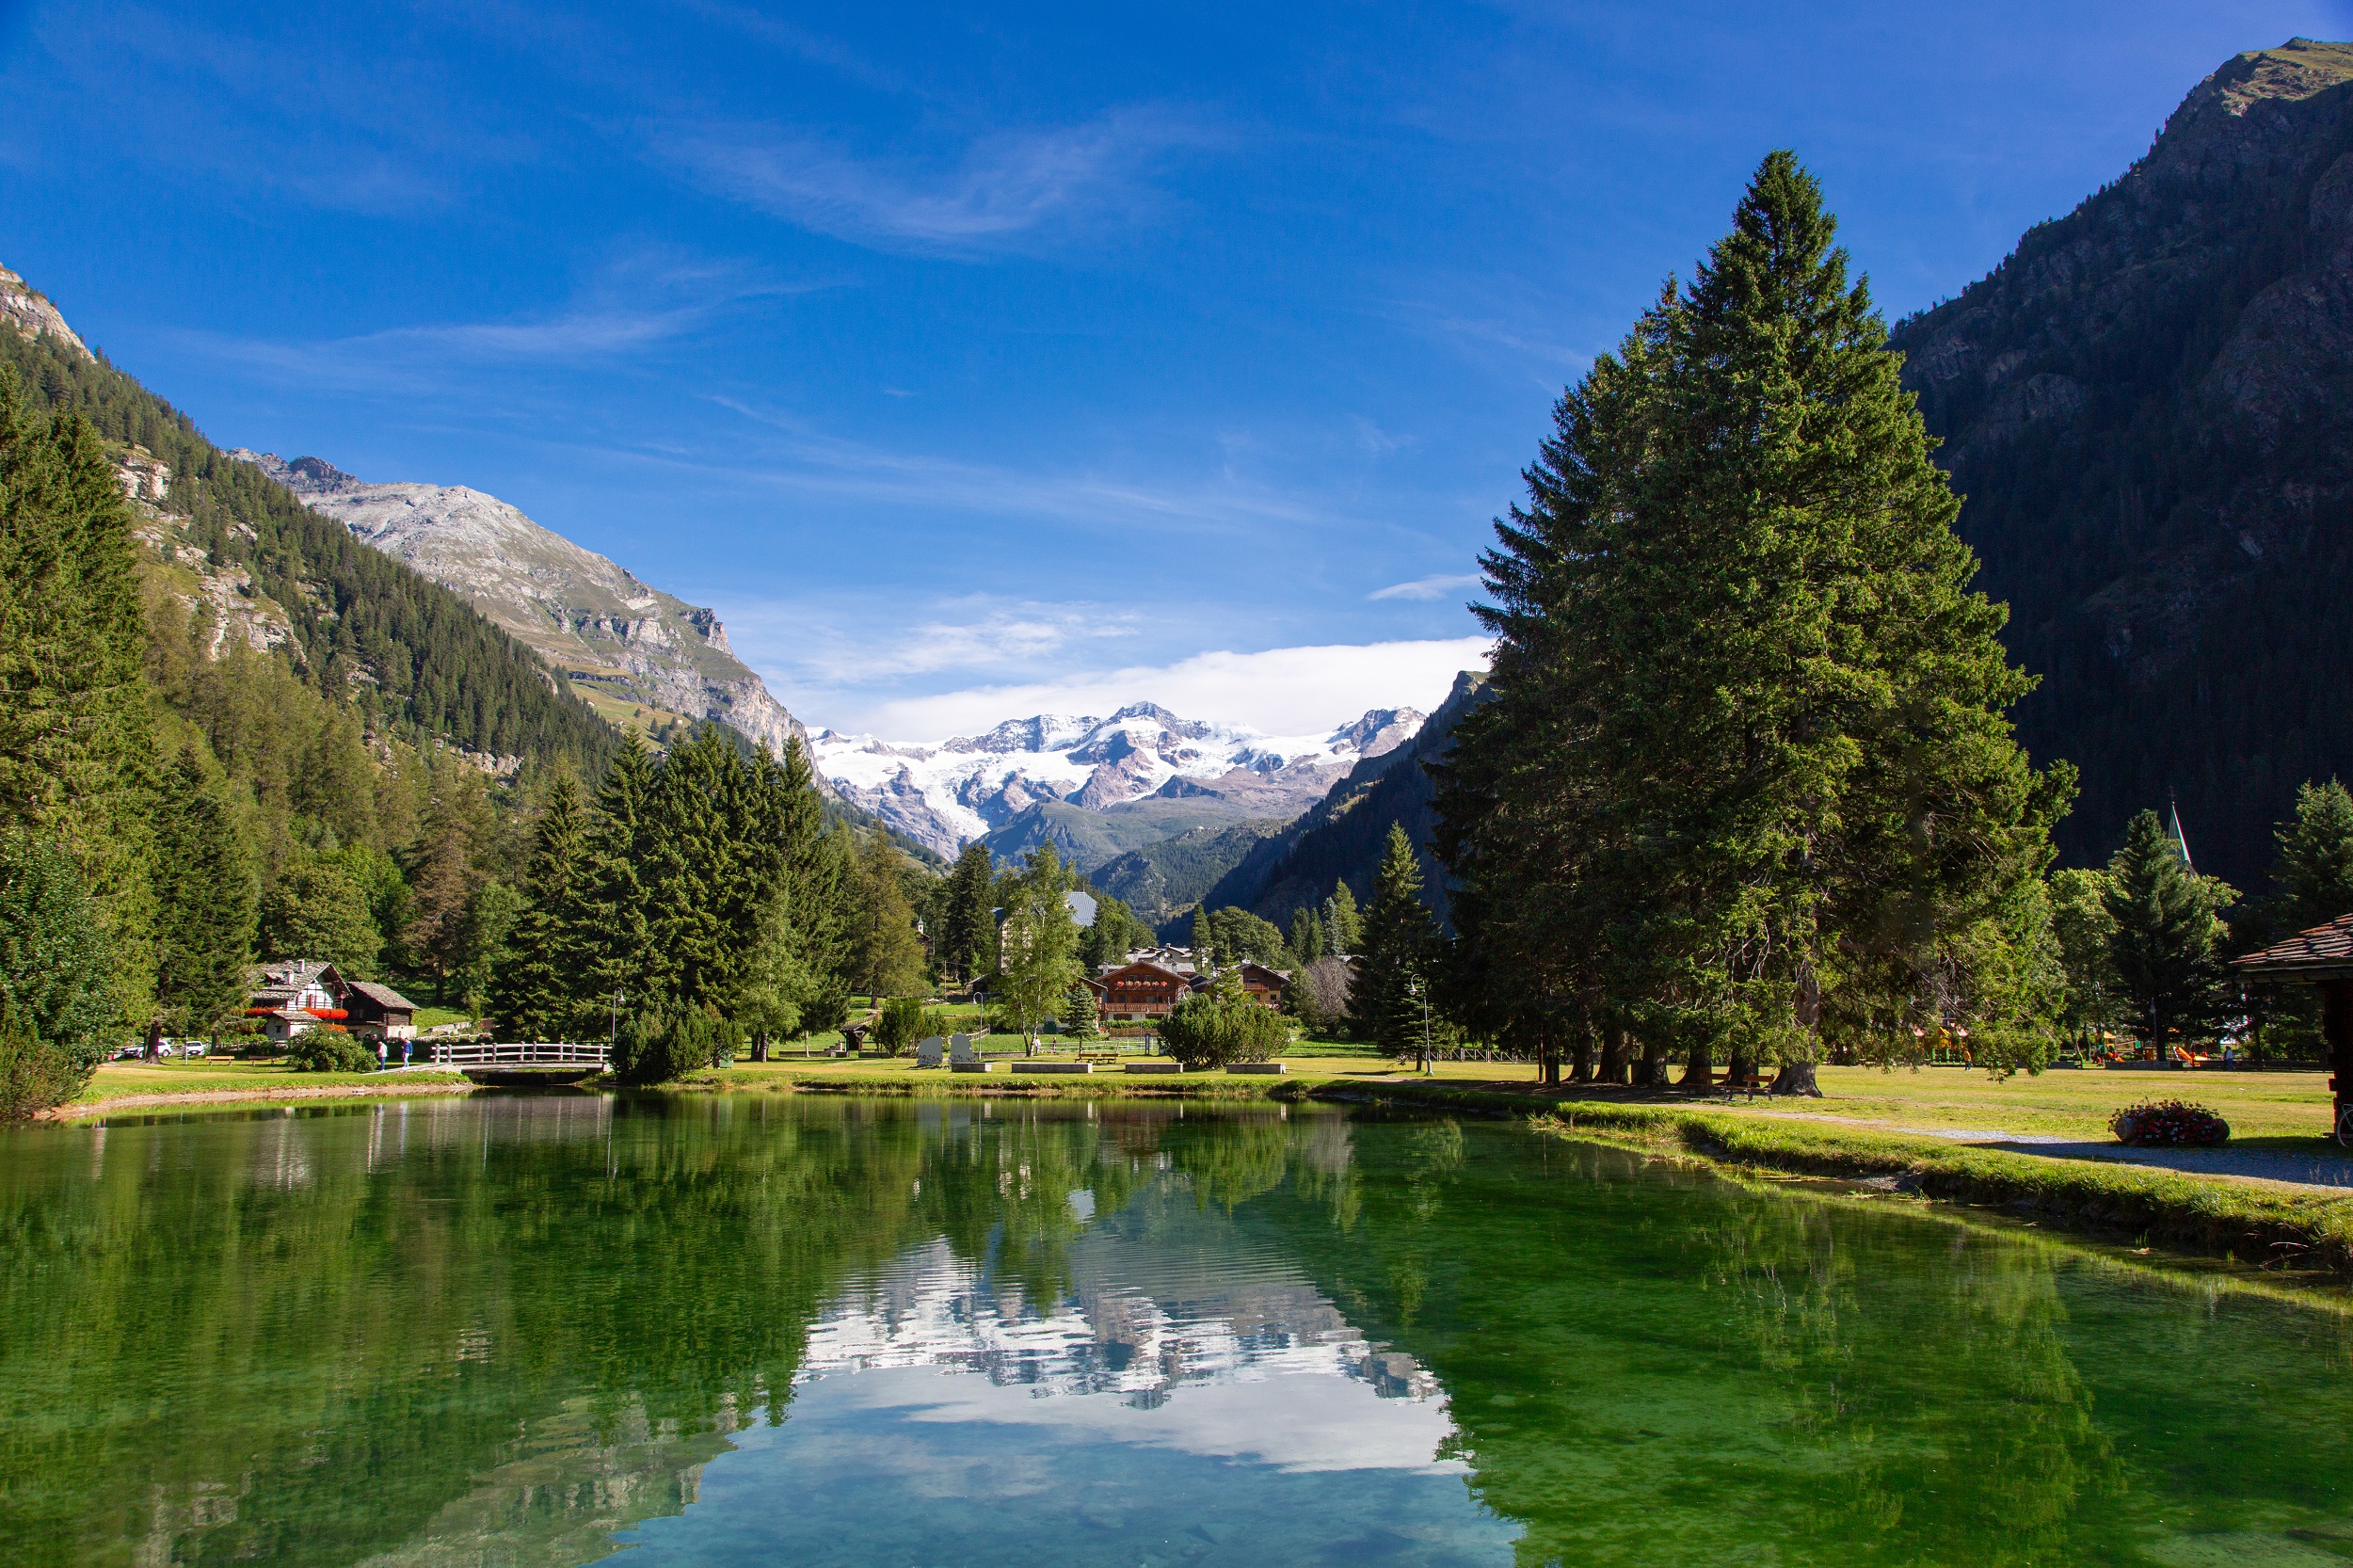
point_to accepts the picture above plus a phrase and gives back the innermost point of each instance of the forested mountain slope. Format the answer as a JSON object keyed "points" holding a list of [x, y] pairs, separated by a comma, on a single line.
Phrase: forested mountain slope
{"points": [[417, 658], [1162, 878], [2149, 408], [1342, 838], [644, 658]]}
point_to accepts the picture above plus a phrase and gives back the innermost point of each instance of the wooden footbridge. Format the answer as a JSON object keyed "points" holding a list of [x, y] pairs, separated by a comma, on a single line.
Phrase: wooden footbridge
{"points": [[522, 1065]]}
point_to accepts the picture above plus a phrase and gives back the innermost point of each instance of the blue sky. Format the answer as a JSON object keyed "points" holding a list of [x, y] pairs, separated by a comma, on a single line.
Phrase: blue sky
{"points": [[974, 361]]}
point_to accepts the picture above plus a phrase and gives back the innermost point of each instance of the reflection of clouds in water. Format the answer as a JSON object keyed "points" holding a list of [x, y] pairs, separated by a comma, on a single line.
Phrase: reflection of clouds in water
{"points": [[1253, 1365]]}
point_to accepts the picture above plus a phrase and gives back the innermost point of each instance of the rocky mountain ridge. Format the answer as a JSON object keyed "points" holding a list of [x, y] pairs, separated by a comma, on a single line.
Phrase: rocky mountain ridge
{"points": [[2149, 408], [26, 309], [1189, 772], [625, 646]]}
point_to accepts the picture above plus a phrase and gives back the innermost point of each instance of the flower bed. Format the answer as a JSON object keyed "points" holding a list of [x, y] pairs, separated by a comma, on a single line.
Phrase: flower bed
{"points": [[2169, 1122]]}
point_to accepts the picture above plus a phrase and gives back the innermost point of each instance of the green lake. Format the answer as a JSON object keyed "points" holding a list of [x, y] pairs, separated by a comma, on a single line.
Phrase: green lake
{"points": [[535, 1331]]}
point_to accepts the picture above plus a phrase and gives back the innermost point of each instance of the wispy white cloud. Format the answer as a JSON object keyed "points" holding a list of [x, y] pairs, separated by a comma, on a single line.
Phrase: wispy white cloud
{"points": [[1281, 691], [874, 646], [636, 304], [1427, 587], [812, 462], [1004, 189]]}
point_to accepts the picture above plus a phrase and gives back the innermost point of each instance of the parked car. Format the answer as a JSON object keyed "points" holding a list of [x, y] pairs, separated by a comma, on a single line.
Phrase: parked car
{"points": [[130, 1053], [195, 1048]]}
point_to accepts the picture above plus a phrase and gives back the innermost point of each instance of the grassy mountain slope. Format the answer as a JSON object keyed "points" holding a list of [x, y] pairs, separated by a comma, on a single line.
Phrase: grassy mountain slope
{"points": [[2149, 408], [420, 660]]}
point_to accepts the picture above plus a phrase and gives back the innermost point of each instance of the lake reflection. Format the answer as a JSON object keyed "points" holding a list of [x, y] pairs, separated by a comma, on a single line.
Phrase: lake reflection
{"points": [[528, 1330]]}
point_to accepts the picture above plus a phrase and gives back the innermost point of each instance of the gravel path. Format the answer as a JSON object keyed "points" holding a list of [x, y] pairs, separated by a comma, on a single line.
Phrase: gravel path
{"points": [[2325, 1170]]}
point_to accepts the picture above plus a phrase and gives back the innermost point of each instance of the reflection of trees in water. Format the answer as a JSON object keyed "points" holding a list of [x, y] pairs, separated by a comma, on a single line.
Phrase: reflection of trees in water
{"points": [[375, 1303], [1646, 1365], [1925, 1374], [493, 1329]]}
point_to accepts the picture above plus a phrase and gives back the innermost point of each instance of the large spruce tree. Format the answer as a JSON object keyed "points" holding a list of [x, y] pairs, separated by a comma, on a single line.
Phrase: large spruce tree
{"points": [[1746, 780], [2315, 866], [964, 942], [889, 951], [544, 990], [2164, 935], [76, 740], [1399, 944], [614, 931], [206, 898]]}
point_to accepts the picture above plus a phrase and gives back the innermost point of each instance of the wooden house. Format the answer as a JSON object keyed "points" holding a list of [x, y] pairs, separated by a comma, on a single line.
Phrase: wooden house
{"points": [[1142, 990], [1264, 985], [294, 996], [379, 1012]]}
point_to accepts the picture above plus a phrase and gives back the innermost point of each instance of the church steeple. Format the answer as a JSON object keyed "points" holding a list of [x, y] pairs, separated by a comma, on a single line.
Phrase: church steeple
{"points": [[2180, 842]]}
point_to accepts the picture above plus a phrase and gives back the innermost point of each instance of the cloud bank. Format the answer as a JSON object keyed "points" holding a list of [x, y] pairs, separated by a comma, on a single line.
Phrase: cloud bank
{"points": [[1280, 691]]}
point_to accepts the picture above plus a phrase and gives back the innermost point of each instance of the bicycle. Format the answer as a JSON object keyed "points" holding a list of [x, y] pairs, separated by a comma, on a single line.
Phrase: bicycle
{"points": [[2345, 1124]]}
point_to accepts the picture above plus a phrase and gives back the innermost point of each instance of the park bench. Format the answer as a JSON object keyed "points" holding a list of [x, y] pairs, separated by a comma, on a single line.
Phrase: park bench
{"points": [[1749, 1087]]}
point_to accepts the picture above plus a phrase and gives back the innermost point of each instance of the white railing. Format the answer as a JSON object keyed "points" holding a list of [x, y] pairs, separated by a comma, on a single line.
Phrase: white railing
{"points": [[538, 1053]]}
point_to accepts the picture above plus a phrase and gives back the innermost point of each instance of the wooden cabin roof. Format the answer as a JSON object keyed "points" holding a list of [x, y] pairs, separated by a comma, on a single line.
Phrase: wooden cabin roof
{"points": [[2324, 953]]}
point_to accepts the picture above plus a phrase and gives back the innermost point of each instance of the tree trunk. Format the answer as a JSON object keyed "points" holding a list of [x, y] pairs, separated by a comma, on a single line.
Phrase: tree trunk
{"points": [[1741, 1068], [1614, 1053], [1650, 1069], [1581, 1068], [1797, 1078], [1698, 1067]]}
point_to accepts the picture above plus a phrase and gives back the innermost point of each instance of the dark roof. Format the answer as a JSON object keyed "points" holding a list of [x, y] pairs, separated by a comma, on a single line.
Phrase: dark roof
{"points": [[383, 996], [2324, 953], [1131, 971]]}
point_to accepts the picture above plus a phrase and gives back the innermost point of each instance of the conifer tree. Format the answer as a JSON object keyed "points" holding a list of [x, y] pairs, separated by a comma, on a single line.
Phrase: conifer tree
{"points": [[2315, 866], [54, 966], [1399, 938], [1081, 1020], [2163, 945], [206, 899], [442, 880], [614, 931], [544, 990], [1203, 941], [1746, 779], [696, 880], [888, 954], [964, 939], [77, 741], [1343, 926], [315, 909], [1306, 936]]}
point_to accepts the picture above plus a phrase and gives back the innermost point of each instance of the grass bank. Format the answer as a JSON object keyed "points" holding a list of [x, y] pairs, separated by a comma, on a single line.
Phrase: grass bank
{"points": [[2246, 1221], [127, 1085]]}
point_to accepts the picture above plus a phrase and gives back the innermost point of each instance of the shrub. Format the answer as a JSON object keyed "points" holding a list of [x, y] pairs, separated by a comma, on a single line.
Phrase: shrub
{"points": [[34, 1075], [1213, 1028], [2169, 1122], [331, 1051], [904, 1021], [662, 1045]]}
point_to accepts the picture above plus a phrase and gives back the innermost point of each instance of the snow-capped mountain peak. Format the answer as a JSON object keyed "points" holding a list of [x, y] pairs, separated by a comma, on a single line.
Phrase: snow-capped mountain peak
{"points": [[947, 793]]}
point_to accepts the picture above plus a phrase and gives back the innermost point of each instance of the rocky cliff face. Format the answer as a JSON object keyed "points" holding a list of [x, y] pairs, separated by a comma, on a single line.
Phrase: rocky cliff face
{"points": [[26, 309], [2149, 408], [634, 650]]}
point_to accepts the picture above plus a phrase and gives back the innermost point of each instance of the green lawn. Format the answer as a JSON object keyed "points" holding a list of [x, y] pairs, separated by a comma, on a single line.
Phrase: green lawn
{"points": [[118, 1079]]}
